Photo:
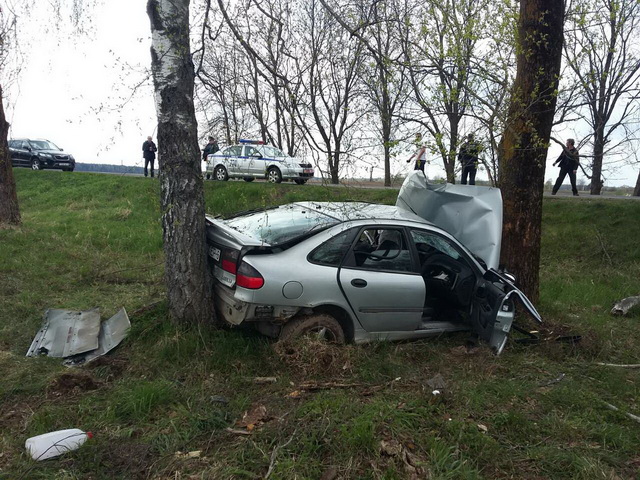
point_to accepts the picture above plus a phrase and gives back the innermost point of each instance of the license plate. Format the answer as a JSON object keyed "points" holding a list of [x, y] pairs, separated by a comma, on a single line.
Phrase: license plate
{"points": [[215, 253], [63, 164], [308, 170]]}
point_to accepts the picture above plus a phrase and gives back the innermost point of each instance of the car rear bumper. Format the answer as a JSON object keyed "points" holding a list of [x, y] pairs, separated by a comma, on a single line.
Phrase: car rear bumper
{"points": [[234, 311]]}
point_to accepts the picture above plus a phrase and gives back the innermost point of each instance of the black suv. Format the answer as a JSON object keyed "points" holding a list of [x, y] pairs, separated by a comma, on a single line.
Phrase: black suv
{"points": [[39, 154]]}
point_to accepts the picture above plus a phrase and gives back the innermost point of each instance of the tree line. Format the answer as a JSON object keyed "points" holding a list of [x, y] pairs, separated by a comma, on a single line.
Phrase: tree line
{"points": [[351, 83]]}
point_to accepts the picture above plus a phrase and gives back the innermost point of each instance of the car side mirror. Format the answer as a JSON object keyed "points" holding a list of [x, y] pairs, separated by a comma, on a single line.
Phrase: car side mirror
{"points": [[62, 149], [256, 155], [28, 149]]}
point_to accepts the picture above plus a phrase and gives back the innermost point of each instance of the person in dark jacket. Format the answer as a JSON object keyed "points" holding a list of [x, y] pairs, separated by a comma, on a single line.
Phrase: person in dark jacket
{"points": [[210, 148], [468, 158], [568, 161], [149, 150]]}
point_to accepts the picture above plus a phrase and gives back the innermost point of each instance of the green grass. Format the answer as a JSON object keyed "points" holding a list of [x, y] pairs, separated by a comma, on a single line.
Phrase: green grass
{"points": [[92, 240]]}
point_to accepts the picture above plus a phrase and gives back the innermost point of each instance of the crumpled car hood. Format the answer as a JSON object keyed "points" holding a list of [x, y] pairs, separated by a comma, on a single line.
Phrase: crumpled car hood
{"points": [[471, 213]]}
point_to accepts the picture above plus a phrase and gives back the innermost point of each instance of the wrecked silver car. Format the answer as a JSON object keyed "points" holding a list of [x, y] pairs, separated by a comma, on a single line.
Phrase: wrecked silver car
{"points": [[361, 272]]}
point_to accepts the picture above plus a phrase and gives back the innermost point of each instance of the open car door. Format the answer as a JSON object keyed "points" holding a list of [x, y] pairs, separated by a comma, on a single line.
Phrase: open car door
{"points": [[493, 309]]}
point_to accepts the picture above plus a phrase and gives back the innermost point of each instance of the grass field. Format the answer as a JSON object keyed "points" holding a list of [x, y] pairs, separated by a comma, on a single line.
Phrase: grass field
{"points": [[95, 240]]}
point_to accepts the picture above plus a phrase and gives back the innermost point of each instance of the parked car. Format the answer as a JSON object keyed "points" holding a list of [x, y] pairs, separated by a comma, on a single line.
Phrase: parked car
{"points": [[251, 159], [361, 272], [39, 154]]}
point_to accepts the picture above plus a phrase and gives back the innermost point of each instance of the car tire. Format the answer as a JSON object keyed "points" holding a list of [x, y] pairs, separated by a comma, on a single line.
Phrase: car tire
{"points": [[248, 179], [220, 174], [35, 164], [208, 176], [274, 175], [322, 325], [300, 181]]}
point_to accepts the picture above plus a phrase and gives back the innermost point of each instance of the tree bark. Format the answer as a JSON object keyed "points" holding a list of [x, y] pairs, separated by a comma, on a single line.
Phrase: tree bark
{"points": [[526, 137], [182, 198], [636, 191], [598, 155], [9, 211]]}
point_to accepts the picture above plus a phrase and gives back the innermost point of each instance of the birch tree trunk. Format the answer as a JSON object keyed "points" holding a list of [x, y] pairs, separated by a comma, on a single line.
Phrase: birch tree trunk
{"points": [[9, 212], [182, 198], [526, 138]]}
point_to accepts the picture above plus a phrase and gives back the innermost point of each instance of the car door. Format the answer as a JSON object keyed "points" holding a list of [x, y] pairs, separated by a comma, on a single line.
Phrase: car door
{"points": [[380, 281], [494, 308], [232, 158], [254, 162]]}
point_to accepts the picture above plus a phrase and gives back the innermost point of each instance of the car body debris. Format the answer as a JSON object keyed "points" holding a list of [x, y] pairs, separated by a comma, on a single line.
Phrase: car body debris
{"points": [[78, 336]]}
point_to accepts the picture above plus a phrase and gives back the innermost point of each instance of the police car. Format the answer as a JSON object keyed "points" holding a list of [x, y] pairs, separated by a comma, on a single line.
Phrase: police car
{"points": [[251, 159]]}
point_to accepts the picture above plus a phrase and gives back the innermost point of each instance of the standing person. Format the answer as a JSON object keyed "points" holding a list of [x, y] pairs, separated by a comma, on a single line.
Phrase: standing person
{"points": [[420, 155], [468, 158], [149, 150], [568, 161], [209, 148]]}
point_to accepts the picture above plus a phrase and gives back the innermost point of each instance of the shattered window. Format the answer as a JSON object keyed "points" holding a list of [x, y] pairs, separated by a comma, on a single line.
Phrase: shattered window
{"points": [[280, 224], [332, 251]]}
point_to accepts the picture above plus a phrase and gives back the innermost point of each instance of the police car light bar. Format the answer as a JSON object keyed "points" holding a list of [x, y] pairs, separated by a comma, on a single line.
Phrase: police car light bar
{"points": [[251, 142]]}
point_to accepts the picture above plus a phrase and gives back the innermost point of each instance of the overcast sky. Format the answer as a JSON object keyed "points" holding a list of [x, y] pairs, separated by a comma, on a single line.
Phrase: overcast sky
{"points": [[74, 89]]}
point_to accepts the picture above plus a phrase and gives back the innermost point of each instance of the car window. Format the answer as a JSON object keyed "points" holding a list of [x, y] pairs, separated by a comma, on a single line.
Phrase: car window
{"points": [[280, 224], [381, 249], [233, 151], [12, 144], [248, 151], [333, 250], [272, 152], [429, 243], [43, 145]]}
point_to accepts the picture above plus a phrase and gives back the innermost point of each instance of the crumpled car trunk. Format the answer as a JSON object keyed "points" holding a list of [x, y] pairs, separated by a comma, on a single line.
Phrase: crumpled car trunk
{"points": [[471, 213]]}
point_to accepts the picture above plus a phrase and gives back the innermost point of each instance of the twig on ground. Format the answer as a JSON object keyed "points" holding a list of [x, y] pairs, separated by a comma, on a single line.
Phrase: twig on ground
{"points": [[626, 414], [558, 379], [604, 249], [274, 453], [619, 365]]}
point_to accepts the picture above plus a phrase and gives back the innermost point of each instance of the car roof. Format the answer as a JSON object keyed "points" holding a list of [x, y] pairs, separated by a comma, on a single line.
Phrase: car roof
{"points": [[349, 211]]}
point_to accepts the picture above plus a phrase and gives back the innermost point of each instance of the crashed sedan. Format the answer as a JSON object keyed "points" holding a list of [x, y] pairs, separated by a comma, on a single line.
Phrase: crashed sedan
{"points": [[362, 272]]}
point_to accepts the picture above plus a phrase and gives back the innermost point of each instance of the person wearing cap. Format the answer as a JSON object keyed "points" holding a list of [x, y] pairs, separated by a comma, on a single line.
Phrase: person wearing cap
{"points": [[149, 150], [210, 148]]}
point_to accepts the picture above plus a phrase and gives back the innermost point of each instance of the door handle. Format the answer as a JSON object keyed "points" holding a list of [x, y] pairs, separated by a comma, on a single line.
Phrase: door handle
{"points": [[359, 283]]}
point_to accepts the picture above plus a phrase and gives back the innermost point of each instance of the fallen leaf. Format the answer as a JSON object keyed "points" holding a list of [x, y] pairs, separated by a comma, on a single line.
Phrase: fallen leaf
{"points": [[482, 428], [295, 394]]}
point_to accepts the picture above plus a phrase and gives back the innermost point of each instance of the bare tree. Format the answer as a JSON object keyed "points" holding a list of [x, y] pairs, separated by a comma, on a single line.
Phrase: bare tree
{"points": [[9, 211], [182, 199], [603, 51], [527, 134]]}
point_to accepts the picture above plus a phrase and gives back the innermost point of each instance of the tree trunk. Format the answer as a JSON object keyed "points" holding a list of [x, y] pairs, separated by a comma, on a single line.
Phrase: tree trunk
{"points": [[182, 199], [526, 137], [636, 191], [598, 154], [333, 168], [386, 142], [9, 212]]}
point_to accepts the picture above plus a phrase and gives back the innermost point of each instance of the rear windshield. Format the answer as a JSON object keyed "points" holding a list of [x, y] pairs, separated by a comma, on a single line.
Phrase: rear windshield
{"points": [[280, 224]]}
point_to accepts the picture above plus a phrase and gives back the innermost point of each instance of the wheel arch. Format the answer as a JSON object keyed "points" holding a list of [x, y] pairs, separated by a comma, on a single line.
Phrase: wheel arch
{"points": [[342, 316]]}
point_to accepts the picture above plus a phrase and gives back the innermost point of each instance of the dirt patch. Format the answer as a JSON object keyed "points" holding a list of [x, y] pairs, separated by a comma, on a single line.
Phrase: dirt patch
{"points": [[308, 357], [109, 367], [71, 383], [130, 458]]}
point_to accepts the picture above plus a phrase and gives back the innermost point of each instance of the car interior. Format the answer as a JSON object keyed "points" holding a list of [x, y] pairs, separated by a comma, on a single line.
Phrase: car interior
{"points": [[449, 280]]}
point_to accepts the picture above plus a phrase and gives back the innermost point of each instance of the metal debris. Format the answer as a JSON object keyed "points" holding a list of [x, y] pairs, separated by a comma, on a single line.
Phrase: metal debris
{"points": [[65, 333], [78, 336]]}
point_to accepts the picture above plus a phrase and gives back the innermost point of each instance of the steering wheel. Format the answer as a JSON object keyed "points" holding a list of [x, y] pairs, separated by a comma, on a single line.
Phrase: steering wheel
{"points": [[442, 263]]}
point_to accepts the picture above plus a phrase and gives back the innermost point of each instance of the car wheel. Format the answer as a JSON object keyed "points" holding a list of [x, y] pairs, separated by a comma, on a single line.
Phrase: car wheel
{"points": [[249, 179], [220, 174], [323, 326], [300, 181], [208, 176], [35, 164], [274, 175]]}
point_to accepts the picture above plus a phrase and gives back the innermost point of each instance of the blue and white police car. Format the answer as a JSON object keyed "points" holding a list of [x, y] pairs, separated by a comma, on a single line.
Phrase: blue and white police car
{"points": [[251, 159]]}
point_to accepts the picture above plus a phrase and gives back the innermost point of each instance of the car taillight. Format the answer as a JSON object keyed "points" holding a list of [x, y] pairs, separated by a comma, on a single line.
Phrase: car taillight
{"points": [[229, 260], [248, 277]]}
